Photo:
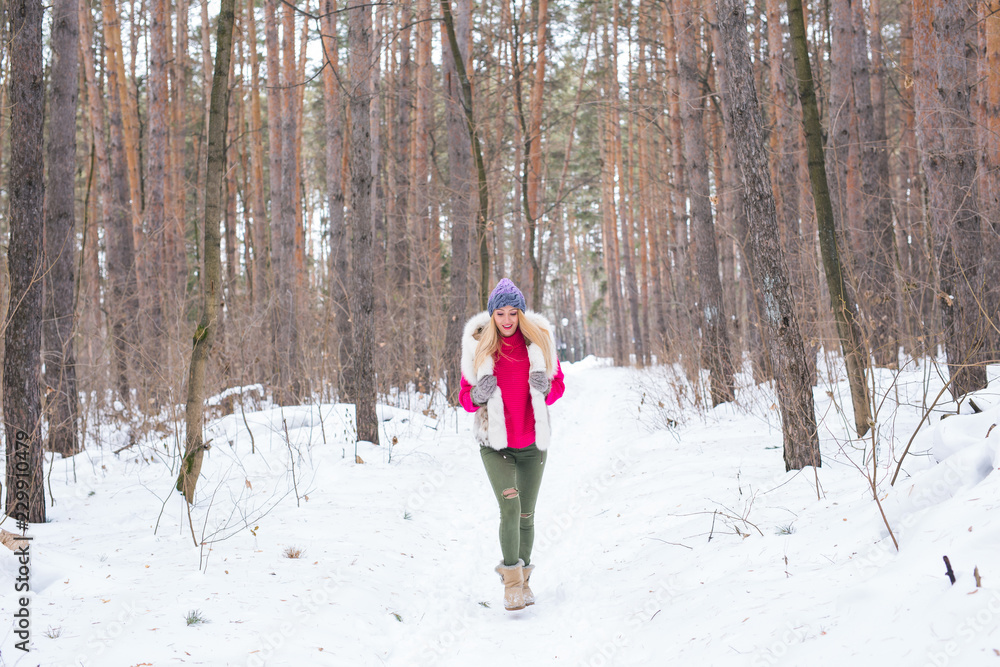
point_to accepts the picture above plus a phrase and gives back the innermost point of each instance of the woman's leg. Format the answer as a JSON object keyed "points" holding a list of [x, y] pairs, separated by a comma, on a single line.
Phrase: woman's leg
{"points": [[500, 468], [530, 466]]}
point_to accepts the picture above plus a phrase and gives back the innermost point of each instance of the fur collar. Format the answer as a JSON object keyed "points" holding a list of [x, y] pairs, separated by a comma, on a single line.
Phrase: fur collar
{"points": [[490, 428]]}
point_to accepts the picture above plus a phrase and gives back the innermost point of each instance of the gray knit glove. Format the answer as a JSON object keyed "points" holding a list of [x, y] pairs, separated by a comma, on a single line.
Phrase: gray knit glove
{"points": [[540, 381], [483, 389]]}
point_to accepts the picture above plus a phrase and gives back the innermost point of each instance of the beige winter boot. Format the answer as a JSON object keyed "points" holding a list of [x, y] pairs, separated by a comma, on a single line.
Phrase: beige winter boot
{"points": [[513, 582], [529, 597]]}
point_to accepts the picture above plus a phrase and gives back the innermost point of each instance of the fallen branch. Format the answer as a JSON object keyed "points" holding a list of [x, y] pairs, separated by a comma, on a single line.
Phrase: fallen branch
{"points": [[949, 571]]}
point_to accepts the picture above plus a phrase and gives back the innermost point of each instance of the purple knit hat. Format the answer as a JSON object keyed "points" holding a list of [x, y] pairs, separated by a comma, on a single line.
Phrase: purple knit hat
{"points": [[505, 294]]}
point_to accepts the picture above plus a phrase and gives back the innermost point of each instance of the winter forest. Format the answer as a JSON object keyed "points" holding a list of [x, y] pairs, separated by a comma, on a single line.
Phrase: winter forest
{"points": [[243, 237]]}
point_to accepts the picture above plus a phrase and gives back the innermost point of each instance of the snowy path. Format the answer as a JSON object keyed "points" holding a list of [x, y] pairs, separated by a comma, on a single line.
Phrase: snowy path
{"points": [[642, 557], [575, 551]]}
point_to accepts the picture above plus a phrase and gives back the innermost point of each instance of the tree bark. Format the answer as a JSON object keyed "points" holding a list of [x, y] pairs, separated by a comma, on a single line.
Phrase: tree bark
{"points": [[989, 171], [398, 243], [841, 301], [339, 278], [876, 249], [716, 352], [155, 204], [946, 138], [25, 497], [60, 236], [615, 328], [680, 247], [534, 162], [99, 174], [280, 259], [624, 204], [786, 177], [461, 189], [176, 258], [205, 333], [420, 221], [798, 416], [482, 216], [289, 385], [262, 278], [119, 240], [842, 138], [919, 274], [363, 386]]}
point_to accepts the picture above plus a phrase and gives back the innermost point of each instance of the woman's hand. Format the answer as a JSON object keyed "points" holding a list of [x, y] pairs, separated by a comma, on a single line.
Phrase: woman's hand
{"points": [[483, 389], [540, 381]]}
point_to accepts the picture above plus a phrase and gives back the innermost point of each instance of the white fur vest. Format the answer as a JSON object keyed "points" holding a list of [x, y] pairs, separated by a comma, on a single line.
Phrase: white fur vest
{"points": [[490, 428]]}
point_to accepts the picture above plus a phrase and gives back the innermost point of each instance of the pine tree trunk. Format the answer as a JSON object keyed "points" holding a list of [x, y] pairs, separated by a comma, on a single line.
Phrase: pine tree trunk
{"points": [[946, 138], [461, 188], [262, 278], [280, 267], [377, 160], [989, 191], [534, 162], [229, 192], [730, 201], [420, 202], [716, 351], [399, 143], [205, 333], [102, 177], [25, 498], [339, 278], [841, 138], [841, 301], [399, 272], [798, 416], [155, 204], [289, 387], [786, 178], [624, 213], [177, 258], [680, 247], [482, 216], [651, 211], [609, 237], [60, 227], [123, 308], [297, 75], [918, 302], [363, 387], [876, 251]]}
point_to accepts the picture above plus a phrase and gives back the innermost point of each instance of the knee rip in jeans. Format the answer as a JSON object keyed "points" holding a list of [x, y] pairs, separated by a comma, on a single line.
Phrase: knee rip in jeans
{"points": [[510, 494], [528, 515]]}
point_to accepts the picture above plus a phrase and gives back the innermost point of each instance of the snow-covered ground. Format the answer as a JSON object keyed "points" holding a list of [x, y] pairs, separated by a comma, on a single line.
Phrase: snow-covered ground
{"points": [[687, 546]]}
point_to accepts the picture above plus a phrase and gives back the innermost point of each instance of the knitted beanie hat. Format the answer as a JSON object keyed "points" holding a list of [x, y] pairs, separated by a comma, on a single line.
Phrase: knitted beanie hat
{"points": [[505, 294]]}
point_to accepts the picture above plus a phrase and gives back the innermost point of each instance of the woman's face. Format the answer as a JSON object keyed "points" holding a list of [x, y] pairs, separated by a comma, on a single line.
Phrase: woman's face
{"points": [[505, 320]]}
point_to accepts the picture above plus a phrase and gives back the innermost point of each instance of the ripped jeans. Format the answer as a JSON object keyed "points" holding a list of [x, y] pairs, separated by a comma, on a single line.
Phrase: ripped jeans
{"points": [[515, 475]]}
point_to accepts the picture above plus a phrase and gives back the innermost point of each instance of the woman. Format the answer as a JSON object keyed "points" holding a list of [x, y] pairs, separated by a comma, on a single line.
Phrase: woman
{"points": [[510, 375]]}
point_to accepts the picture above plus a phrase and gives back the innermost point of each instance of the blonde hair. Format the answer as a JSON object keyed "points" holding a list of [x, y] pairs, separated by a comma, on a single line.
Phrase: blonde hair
{"points": [[490, 339]]}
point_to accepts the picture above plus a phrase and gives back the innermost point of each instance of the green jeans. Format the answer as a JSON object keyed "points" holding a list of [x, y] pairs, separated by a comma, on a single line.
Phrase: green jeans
{"points": [[515, 475]]}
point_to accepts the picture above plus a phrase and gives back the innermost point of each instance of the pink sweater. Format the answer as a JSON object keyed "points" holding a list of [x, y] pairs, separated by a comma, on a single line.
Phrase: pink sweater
{"points": [[511, 370]]}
